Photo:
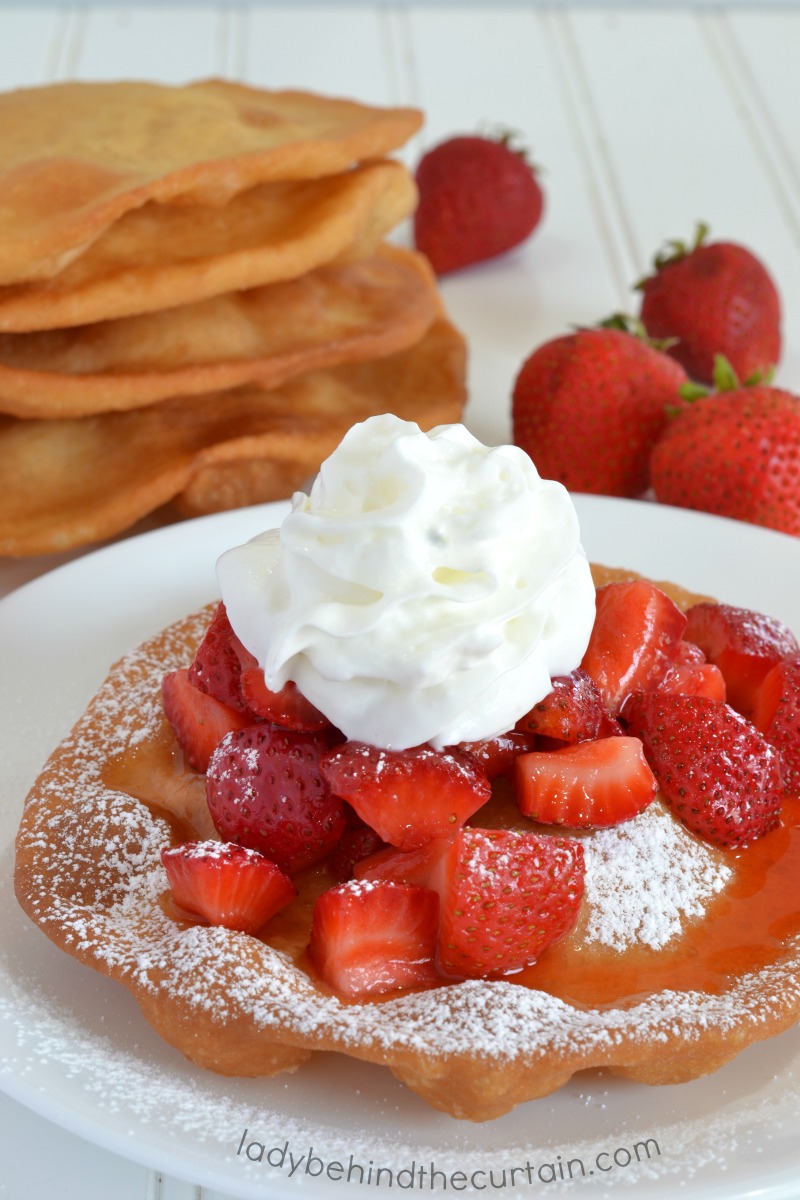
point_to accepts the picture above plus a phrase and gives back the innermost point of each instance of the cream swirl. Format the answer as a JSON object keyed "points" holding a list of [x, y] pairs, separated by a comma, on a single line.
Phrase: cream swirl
{"points": [[426, 590]]}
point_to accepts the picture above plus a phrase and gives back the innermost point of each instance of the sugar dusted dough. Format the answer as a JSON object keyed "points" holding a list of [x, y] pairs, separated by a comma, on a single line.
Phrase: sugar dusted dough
{"points": [[88, 873]]}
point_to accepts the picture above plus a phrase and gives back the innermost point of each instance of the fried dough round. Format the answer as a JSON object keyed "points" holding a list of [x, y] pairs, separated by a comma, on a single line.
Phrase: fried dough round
{"points": [[72, 482], [245, 1006], [161, 255], [75, 156], [339, 313]]}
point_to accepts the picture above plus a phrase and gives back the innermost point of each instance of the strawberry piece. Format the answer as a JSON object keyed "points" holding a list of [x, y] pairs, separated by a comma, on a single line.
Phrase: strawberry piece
{"points": [[713, 298], [635, 639], [407, 796], [356, 844], [744, 644], [371, 938], [265, 790], [198, 720], [586, 785], [694, 677], [420, 865], [776, 713], [572, 712], [718, 774], [216, 669], [226, 884], [735, 454], [588, 408], [287, 708], [505, 897], [478, 197], [496, 755]]}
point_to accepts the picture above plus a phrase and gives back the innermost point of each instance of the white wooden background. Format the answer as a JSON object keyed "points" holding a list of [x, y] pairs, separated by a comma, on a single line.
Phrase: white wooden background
{"points": [[644, 119]]}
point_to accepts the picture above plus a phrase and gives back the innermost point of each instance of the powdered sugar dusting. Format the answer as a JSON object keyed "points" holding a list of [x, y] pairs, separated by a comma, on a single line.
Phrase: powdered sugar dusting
{"points": [[645, 877]]}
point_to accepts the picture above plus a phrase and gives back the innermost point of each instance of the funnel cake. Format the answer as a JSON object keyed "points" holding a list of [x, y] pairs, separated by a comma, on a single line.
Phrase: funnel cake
{"points": [[683, 954]]}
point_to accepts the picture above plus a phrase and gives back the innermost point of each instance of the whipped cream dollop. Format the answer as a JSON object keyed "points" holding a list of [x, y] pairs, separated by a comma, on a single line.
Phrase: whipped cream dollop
{"points": [[427, 588]]}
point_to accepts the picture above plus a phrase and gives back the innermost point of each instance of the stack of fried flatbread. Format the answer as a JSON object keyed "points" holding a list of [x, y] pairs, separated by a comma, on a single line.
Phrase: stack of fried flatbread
{"points": [[197, 300]]}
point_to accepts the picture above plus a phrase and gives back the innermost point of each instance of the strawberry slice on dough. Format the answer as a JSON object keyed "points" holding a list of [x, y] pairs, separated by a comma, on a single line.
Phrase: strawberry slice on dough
{"points": [[407, 796], [634, 640], [505, 898], [588, 785], [368, 938], [226, 884]]}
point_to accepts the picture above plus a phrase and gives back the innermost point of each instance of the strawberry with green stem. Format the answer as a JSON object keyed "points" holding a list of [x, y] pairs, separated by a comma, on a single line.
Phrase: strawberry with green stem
{"points": [[589, 406], [734, 452], [713, 298]]}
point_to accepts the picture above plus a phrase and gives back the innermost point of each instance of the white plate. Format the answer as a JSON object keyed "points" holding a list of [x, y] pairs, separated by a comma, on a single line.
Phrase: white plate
{"points": [[74, 1047]]}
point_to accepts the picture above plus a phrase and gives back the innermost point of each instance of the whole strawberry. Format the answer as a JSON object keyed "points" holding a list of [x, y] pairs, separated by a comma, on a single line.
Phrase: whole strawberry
{"points": [[588, 408], [265, 791], [713, 298], [735, 453], [478, 197]]}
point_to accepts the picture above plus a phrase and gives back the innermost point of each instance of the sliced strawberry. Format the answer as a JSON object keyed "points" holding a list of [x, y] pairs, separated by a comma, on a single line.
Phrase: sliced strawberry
{"points": [[287, 708], [634, 640], [198, 720], [407, 796], [420, 865], [588, 785], [692, 675], [776, 713], [265, 790], [744, 644], [716, 771], [216, 669], [496, 755], [356, 844], [370, 938], [572, 712], [226, 884], [505, 897]]}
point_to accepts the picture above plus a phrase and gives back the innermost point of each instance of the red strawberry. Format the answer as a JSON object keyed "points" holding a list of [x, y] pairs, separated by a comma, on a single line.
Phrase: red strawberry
{"points": [[634, 640], [735, 454], [288, 707], [744, 644], [572, 712], [715, 770], [692, 675], [588, 408], [776, 712], [226, 884], [407, 796], [216, 668], [357, 843], [588, 785], [420, 865], [370, 938], [198, 720], [265, 790], [713, 298], [496, 755], [478, 197], [505, 897]]}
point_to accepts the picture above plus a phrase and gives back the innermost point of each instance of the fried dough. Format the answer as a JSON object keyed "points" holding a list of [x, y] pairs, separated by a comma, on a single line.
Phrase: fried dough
{"points": [[72, 482], [241, 1005], [339, 313], [75, 156], [160, 255]]}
